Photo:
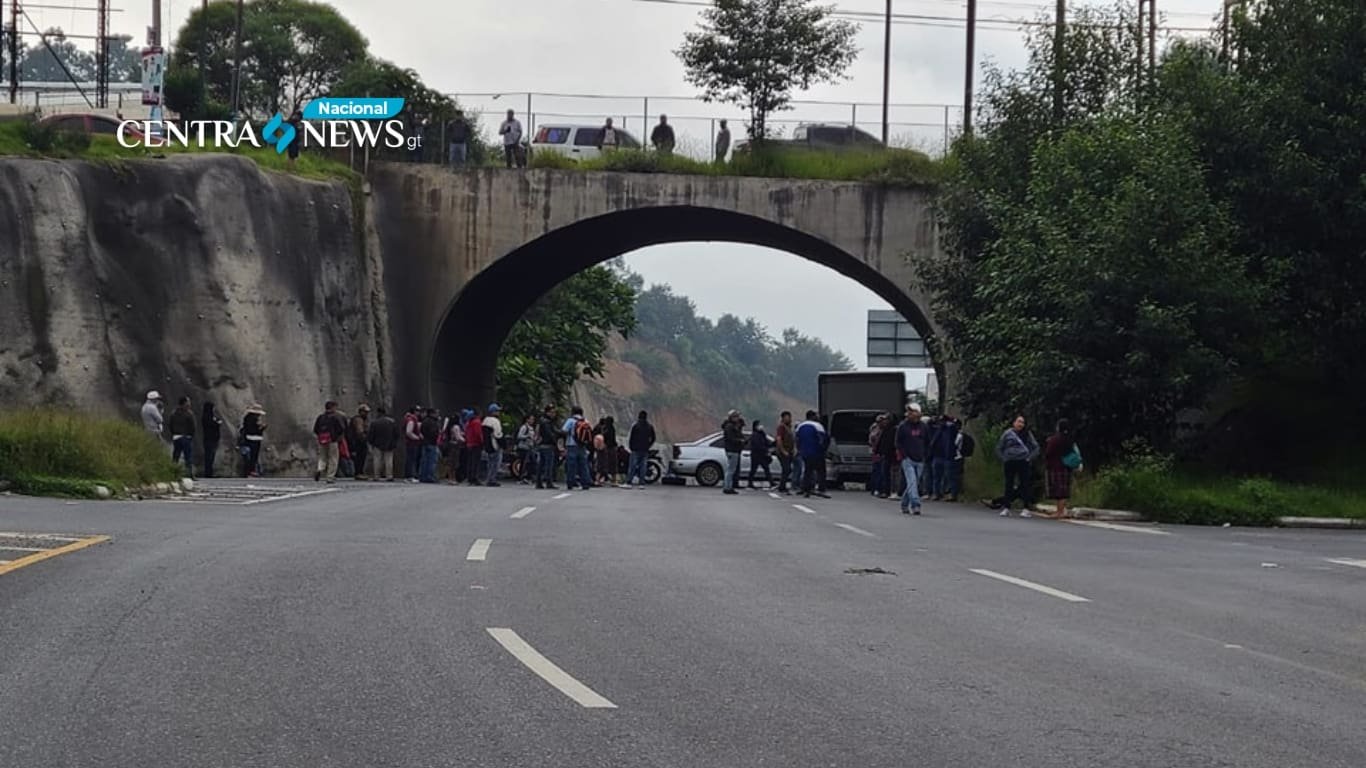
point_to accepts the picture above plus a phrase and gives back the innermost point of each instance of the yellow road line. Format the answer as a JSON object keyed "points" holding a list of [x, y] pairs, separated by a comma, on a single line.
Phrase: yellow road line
{"points": [[38, 557]]}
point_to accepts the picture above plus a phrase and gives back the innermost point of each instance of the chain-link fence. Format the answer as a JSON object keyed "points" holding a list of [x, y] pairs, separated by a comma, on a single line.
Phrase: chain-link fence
{"points": [[929, 128]]}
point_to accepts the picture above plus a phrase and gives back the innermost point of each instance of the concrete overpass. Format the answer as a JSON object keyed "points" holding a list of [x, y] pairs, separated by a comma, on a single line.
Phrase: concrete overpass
{"points": [[465, 254]]}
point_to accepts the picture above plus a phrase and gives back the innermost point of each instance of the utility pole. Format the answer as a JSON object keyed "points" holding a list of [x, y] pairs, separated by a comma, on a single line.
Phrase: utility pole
{"points": [[14, 52], [1152, 40], [155, 34], [970, 71], [237, 64], [1059, 59], [102, 55], [886, 74]]}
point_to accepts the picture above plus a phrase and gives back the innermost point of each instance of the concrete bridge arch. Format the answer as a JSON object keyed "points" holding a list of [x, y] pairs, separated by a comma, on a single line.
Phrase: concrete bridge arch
{"points": [[467, 253]]}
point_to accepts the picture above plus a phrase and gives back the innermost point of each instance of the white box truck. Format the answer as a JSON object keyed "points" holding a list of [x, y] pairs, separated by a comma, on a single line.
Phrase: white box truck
{"points": [[850, 402]]}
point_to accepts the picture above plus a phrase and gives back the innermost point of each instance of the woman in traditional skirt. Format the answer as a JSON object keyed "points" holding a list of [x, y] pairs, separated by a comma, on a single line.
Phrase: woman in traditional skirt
{"points": [[1059, 445]]}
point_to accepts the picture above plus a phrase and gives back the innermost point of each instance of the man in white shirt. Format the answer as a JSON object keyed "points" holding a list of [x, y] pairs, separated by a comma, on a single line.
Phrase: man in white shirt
{"points": [[511, 131], [152, 417], [493, 444]]}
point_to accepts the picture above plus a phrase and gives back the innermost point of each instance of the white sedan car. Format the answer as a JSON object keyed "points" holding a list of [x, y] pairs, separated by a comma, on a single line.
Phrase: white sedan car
{"points": [[705, 460]]}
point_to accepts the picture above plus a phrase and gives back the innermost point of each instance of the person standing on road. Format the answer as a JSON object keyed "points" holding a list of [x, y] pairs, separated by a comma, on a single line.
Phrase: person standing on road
{"points": [[329, 429], [152, 418], [358, 439], [812, 443], [578, 437], [412, 443], [733, 432], [943, 453], [912, 437], [430, 429], [251, 437], [1017, 450], [511, 131], [458, 139], [639, 442], [885, 454], [383, 438], [759, 457], [526, 450], [182, 435], [722, 143], [474, 447], [607, 457], [662, 137], [547, 448], [875, 432], [211, 426], [1061, 457], [785, 440], [493, 444]]}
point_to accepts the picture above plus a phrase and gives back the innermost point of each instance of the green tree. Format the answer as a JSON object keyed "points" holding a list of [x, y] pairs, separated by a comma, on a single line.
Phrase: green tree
{"points": [[755, 53], [43, 63], [293, 51], [1088, 271], [427, 110], [562, 337]]}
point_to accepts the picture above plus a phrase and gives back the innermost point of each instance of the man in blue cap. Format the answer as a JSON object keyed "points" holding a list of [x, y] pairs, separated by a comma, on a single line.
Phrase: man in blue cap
{"points": [[493, 443]]}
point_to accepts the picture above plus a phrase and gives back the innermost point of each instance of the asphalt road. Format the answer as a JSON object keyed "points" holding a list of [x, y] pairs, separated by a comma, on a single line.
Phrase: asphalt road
{"points": [[670, 627]]}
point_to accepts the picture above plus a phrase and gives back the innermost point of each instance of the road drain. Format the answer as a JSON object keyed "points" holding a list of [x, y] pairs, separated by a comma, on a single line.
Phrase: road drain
{"points": [[870, 571]]}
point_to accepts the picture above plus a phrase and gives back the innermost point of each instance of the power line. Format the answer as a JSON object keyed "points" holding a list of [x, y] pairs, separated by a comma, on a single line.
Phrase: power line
{"points": [[926, 20]]}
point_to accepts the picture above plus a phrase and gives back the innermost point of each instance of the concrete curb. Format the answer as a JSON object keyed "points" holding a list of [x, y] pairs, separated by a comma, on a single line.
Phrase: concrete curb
{"points": [[1121, 516], [1331, 523]]}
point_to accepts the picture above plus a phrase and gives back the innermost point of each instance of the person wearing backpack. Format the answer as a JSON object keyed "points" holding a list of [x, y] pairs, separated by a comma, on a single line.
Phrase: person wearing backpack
{"points": [[1061, 457], [966, 446], [578, 439], [943, 451]]}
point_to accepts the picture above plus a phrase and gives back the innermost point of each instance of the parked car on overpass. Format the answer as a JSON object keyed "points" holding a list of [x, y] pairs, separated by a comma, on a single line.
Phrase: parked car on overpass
{"points": [[705, 460], [823, 136], [578, 142]]}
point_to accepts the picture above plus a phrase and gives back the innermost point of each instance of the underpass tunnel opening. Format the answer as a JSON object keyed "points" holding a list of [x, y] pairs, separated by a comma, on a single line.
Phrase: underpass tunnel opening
{"points": [[463, 362]]}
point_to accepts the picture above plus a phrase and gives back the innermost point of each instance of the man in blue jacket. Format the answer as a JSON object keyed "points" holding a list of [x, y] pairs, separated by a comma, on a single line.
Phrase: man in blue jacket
{"points": [[912, 438], [812, 443]]}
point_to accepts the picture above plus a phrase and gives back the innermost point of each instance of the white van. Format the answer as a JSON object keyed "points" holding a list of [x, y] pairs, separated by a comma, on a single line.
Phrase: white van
{"points": [[579, 142]]}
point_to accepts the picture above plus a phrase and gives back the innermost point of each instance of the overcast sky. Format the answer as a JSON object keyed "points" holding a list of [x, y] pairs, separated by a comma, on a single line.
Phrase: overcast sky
{"points": [[625, 48]]}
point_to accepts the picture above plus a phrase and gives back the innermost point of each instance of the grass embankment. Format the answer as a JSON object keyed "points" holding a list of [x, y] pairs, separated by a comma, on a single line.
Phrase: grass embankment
{"points": [[893, 167], [22, 139], [59, 453], [1167, 493]]}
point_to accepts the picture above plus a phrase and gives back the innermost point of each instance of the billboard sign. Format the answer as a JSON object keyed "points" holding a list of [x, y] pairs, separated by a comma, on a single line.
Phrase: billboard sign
{"points": [[894, 343]]}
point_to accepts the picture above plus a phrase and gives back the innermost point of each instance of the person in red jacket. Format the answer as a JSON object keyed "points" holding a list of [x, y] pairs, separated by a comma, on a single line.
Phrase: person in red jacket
{"points": [[474, 447], [412, 442]]}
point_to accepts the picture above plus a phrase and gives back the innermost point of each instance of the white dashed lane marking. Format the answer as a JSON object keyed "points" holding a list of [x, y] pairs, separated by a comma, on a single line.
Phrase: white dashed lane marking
{"points": [[1347, 561], [807, 510], [1058, 593], [523, 512], [1115, 527], [853, 529], [479, 550], [562, 496], [547, 671]]}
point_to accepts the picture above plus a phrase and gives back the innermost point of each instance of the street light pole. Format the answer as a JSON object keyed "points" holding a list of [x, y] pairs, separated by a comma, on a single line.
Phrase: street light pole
{"points": [[886, 74], [1059, 45]]}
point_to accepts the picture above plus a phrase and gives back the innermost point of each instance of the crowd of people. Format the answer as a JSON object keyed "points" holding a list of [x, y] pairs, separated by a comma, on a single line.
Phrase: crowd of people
{"points": [[470, 446]]}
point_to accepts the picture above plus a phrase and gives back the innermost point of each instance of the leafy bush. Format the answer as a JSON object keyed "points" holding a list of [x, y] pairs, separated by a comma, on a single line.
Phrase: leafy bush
{"points": [[38, 448]]}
